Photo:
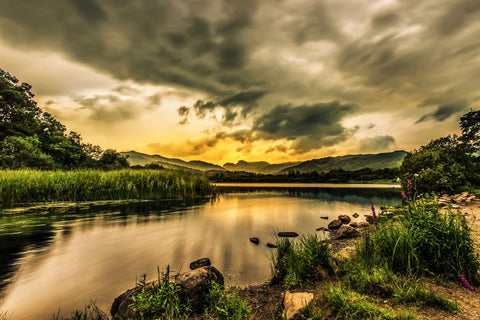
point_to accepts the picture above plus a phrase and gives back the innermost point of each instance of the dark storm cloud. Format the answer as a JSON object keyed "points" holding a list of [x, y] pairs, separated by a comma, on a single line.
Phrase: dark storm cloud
{"points": [[244, 101], [183, 112], [308, 126], [443, 112], [376, 144], [193, 43], [456, 16]]}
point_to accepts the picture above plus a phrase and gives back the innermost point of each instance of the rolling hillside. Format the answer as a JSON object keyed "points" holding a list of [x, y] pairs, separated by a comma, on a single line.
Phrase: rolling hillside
{"points": [[349, 163]]}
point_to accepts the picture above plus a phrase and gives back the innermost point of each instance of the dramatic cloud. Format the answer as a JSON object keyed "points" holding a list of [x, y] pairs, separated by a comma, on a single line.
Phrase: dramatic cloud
{"points": [[443, 112], [250, 77]]}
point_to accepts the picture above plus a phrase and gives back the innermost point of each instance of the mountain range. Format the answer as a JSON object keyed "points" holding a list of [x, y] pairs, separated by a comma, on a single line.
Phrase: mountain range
{"points": [[349, 162]]}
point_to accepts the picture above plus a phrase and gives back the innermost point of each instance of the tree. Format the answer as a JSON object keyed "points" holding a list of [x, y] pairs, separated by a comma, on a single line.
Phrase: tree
{"points": [[19, 152], [470, 126], [110, 159]]}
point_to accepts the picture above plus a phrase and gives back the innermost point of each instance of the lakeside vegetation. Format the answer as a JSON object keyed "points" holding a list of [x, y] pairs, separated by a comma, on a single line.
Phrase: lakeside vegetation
{"points": [[80, 185], [366, 175]]}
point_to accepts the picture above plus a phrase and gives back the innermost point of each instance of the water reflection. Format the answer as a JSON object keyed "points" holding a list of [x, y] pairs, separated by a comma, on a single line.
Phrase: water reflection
{"points": [[75, 253]]}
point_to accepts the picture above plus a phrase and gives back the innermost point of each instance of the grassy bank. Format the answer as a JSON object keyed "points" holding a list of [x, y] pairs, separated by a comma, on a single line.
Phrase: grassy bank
{"points": [[84, 185]]}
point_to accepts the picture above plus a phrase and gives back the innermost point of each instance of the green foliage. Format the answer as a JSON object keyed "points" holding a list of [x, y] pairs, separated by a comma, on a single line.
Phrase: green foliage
{"points": [[90, 312], [298, 263], [423, 241], [20, 152], [448, 163], [381, 281], [31, 138], [225, 306], [348, 304], [160, 301], [81, 185]]}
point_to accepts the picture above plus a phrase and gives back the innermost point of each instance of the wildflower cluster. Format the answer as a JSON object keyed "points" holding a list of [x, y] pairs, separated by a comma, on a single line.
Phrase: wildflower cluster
{"points": [[465, 282], [373, 211]]}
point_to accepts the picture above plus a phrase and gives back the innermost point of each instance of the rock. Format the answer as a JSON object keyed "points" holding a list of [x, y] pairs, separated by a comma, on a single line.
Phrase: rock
{"points": [[363, 224], [324, 217], [354, 224], [334, 224], [255, 240], [346, 232], [194, 285], [271, 245], [294, 303], [343, 254], [355, 215], [288, 234], [370, 218], [344, 218], [203, 262], [322, 229]]}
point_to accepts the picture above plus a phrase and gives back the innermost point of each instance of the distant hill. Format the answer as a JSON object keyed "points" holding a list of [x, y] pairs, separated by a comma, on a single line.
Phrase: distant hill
{"points": [[351, 162], [348, 163], [258, 167], [137, 158]]}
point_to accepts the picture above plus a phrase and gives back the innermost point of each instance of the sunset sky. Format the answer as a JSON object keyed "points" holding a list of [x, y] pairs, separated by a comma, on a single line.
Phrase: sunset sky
{"points": [[224, 80]]}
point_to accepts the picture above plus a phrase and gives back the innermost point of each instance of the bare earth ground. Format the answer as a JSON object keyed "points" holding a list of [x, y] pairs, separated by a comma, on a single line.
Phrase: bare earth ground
{"points": [[266, 300]]}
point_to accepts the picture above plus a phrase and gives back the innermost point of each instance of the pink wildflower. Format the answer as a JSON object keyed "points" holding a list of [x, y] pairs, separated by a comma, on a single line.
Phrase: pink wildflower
{"points": [[404, 196], [373, 211], [465, 282]]}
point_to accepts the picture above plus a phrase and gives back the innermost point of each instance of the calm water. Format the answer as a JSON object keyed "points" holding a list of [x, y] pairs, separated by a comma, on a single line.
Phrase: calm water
{"points": [[62, 257]]}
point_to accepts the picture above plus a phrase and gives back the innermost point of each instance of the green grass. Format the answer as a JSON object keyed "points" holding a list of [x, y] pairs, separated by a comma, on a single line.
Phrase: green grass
{"points": [[83, 185], [382, 282], [298, 263], [225, 306], [422, 240], [351, 305]]}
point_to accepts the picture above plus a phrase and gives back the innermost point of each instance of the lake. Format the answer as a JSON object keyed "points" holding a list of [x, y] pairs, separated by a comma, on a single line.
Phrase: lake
{"points": [[59, 257]]}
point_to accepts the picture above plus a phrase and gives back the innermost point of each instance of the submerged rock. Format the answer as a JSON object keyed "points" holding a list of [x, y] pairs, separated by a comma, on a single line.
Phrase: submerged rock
{"points": [[355, 215], [354, 224], [294, 303], [255, 240], [322, 229], [271, 245], [203, 262], [288, 234], [363, 224], [334, 224], [324, 217]]}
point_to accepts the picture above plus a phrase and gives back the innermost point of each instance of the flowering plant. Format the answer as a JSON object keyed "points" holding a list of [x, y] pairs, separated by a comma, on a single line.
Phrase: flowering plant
{"points": [[465, 282]]}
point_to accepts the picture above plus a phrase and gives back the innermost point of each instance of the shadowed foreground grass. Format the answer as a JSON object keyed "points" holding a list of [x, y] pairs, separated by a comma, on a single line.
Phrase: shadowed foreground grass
{"points": [[84, 185]]}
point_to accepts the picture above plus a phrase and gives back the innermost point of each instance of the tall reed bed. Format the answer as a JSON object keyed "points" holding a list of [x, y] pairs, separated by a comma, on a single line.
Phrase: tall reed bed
{"points": [[82, 185]]}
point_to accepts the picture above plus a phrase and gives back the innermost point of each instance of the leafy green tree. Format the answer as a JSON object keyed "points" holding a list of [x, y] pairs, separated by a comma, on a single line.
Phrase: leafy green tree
{"points": [[110, 159], [19, 152], [470, 126], [445, 164]]}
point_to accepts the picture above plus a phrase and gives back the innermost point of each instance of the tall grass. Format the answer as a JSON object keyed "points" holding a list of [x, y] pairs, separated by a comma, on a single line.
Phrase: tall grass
{"points": [[80, 185], [299, 262], [423, 241], [160, 301], [225, 306]]}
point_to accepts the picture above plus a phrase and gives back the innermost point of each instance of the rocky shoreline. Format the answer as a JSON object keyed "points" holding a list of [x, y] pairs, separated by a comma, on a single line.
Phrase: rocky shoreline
{"points": [[271, 299]]}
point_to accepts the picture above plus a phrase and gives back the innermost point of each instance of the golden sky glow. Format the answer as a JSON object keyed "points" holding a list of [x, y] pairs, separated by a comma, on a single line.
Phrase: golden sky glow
{"points": [[222, 80]]}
